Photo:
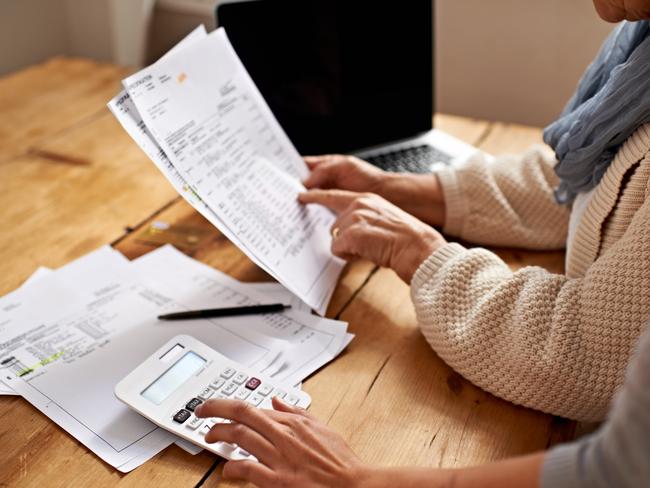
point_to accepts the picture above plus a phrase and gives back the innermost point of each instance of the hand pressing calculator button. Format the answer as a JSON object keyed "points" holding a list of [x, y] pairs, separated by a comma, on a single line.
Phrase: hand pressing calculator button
{"points": [[292, 399], [279, 393], [169, 386]]}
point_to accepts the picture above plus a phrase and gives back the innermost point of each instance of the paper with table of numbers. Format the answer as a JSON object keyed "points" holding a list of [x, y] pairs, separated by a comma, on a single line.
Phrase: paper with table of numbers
{"points": [[222, 144], [67, 338]]}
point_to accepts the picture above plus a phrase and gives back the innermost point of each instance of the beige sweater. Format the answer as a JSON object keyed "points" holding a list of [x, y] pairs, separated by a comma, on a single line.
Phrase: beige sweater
{"points": [[557, 343]]}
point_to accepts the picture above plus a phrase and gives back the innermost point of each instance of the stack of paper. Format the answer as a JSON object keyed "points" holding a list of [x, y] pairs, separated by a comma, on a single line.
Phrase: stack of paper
{"points": [[199, 117], [69, 336]]}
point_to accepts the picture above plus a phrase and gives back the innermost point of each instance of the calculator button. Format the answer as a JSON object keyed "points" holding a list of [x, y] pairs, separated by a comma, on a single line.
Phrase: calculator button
{"points": [[229, 389], [265, 389], [292, 399], [240, 455], [240, 378], [192, 404], [182, 416], [221, 396], [228, 373], [217, 383], [255, 399], [227, 447], [205, 394], [214, 420], [204, 430], [194, 423], [242, 394], [253, 383], [279, 393]]}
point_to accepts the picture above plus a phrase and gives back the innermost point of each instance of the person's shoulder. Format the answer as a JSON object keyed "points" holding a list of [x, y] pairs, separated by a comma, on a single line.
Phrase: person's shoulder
{"points": [[637, 146]]}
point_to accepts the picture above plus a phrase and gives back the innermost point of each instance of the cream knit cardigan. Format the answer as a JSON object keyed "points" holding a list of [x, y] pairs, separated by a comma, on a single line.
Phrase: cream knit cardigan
{"points": [[557, 343]]}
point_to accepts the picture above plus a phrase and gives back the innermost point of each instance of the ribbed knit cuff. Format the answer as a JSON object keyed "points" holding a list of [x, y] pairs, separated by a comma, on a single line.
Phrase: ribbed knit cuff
{"points": [[455, 203], [559, 468], [433, 263]]}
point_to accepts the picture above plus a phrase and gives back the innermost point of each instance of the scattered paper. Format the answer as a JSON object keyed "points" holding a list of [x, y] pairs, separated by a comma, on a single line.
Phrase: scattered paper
{"points": [[67, 359], [69, 336]]}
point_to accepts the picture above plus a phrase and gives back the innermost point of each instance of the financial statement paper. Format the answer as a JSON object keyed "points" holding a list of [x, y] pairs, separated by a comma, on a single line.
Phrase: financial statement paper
{"points": [[202, 108], [128, 116], [67, 338]]}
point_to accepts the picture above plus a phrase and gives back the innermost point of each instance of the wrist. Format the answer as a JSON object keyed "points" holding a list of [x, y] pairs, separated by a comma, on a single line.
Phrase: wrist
{"points": [[371, 477], [423, 245], [418, 194], [406, 477]]}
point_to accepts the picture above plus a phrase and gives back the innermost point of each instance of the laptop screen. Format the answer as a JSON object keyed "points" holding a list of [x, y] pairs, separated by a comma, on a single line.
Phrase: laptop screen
{"points": [[338, 75]]}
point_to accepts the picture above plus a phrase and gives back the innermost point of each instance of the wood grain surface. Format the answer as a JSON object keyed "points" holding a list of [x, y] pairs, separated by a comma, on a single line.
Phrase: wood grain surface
{"points": [[72, 180]]}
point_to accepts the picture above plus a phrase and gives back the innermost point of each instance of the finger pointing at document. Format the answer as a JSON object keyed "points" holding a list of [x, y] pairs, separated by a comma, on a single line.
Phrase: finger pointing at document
{"points": [[370, 227]]}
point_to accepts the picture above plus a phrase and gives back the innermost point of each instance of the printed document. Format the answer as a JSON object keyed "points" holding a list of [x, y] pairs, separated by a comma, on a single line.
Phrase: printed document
{"points": [[69, 336], [311, 341], [219, 135], [65, 358]]}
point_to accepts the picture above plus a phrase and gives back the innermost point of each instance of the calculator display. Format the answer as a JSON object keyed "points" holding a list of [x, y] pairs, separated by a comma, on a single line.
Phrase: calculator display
{"points": [[158, 391]]}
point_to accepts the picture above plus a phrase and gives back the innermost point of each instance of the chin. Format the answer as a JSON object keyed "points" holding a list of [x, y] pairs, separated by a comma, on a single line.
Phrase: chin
{"points": [[608, 12]]}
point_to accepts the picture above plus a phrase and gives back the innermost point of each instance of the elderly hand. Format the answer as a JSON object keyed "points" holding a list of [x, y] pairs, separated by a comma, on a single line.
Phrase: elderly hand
{"points": [[370, 227], [344, 173], [419, 195], [293, 448]]}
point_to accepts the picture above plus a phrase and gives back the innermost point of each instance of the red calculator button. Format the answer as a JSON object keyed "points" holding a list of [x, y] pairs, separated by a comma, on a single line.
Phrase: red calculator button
{"points": [[253, 383]]}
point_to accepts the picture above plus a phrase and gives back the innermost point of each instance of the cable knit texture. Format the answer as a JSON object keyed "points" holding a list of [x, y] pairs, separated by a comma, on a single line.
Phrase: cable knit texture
{"points": [[557, 343]]}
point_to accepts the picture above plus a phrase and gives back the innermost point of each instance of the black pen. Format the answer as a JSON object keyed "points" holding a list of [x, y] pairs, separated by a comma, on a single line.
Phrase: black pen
{"points": [[225, 312]]}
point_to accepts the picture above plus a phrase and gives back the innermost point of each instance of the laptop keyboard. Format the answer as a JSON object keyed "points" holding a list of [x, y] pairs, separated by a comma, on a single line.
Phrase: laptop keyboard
{"points": [[417, 159]]}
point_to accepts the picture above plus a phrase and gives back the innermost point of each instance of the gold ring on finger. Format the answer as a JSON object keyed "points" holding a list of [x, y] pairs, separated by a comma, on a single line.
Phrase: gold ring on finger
{"points": [[335, 232]]}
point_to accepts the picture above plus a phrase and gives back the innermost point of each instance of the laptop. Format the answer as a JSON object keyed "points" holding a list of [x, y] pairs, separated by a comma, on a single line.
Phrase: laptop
{"points": [[346, 77]]}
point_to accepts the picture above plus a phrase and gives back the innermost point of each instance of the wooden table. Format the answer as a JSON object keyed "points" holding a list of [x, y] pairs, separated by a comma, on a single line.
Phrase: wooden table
{"points": [[72, 180]]}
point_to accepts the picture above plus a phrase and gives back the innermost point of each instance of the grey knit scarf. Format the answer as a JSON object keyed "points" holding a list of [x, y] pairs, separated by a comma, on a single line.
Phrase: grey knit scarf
{"points": [[612, 100]]}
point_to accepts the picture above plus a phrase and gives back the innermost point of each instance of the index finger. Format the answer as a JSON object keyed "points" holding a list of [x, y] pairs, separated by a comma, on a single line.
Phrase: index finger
{"points": [[313, 161], [243, 413], [335, 200]]}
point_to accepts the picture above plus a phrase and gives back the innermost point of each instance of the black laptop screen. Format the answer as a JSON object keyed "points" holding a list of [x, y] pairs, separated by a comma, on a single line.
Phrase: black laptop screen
{"points": [[338, 75]]}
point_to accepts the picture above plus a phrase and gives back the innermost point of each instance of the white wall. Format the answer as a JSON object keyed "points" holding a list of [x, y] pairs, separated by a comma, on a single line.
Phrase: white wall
{"points": [[30, 31], [88, 28], [513, 60], [106, 30]]}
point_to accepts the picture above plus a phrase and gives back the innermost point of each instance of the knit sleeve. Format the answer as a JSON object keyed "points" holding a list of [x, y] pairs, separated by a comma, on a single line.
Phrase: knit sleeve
{"points": [[538, 339], [617, 454], [519, 189]]}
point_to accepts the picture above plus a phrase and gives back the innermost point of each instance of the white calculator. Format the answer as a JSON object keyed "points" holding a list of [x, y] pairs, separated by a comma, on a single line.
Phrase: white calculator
{"points": [[172, 382]]}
